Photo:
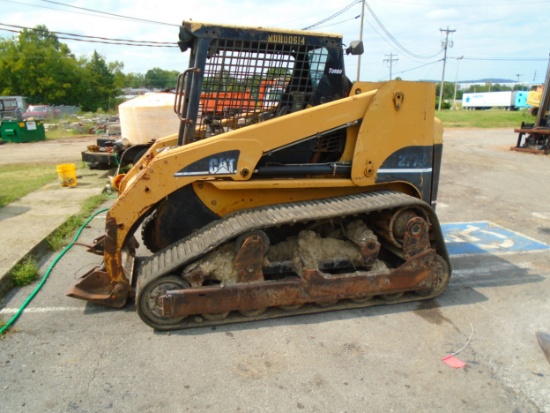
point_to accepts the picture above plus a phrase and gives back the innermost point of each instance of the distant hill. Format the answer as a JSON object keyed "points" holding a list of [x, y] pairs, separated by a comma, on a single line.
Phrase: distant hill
{"points": [[479, 81], [488, 81]]}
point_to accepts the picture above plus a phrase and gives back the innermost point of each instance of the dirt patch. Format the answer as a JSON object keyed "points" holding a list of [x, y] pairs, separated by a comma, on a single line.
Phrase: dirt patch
{"points": [[67, 150]]}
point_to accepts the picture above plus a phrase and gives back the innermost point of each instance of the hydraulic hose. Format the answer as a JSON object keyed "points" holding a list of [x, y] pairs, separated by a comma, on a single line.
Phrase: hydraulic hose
{"points": [[48, 271]]}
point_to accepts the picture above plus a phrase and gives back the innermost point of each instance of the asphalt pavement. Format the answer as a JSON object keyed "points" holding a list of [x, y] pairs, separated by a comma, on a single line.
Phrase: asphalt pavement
{"points": [[67, 355]]}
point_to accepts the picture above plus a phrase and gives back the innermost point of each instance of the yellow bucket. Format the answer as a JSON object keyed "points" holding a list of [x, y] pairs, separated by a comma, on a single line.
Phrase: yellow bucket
{"points": [[67, 174]]}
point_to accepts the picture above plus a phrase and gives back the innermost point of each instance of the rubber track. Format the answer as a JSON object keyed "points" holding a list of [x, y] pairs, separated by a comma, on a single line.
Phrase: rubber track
{"points": [[218, 232], [198, 321]]}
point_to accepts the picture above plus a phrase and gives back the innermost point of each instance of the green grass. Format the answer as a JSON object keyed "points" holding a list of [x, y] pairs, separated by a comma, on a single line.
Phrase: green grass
{"points": [[63, 134], [63, 235], [25, 272], [492, 118], [19, 180], [61, 127]]}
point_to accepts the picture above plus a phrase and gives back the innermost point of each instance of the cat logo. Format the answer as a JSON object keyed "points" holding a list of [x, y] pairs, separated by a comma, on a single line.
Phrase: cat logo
{"points": [[224, 163], [222, 166]]}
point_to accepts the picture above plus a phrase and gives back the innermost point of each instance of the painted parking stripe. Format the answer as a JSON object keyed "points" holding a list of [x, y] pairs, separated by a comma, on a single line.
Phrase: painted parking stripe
{"points": [[469, 238], [11, 311], [497, 268]]}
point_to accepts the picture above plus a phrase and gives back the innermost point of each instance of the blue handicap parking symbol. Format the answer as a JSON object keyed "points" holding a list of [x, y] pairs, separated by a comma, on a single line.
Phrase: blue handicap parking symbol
{"points": [[486, 238]]}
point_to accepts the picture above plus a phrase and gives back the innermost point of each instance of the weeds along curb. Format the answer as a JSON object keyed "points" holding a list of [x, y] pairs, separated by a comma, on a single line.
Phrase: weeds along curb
{"points": [[5, 326], [57, 240], [24, 273], [39, 251]]}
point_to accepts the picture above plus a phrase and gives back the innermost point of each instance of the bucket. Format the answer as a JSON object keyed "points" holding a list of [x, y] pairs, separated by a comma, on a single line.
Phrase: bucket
{"points": [[67, 174]]}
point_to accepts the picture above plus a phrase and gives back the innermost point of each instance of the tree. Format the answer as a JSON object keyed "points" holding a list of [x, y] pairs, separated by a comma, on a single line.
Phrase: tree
{"points": [[39, 66], [99, 84], [448, 90], [157, 78], [488, 87], [276, 72], [134, 80], [119, 78]]}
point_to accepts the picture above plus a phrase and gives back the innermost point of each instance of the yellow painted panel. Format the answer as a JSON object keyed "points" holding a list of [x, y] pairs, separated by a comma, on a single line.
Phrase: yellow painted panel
{"points": [[401, 114]]}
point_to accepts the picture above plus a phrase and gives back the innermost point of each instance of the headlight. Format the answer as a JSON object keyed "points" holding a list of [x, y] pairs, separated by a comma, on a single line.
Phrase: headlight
{"points": [[125, 142]]}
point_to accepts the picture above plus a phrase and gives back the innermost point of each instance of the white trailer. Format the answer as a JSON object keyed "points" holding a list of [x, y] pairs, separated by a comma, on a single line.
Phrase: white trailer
{"points": [[486, 100]]}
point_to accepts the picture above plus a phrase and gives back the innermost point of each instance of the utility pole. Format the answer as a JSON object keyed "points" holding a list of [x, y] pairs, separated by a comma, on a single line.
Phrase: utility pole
{"points": [[391, 60], [458, 59], [445, 45], [360, 38], [518, 75]]}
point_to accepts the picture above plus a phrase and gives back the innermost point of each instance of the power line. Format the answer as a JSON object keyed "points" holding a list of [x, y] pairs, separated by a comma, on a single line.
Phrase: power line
{"points": [[91, 12], [419, 67], [386, 40], [511, 59], [338, 22], [109, 14], [93, 39], [394, 40], [333, 16], [478, 4]]}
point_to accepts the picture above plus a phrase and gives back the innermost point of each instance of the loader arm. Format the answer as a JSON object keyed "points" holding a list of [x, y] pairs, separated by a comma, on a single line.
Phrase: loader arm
{"points": [[158, 178], [382, 123]]}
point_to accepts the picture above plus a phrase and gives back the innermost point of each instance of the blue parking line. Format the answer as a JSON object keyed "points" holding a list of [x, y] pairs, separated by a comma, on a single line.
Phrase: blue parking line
{"points": [[467, 238]]}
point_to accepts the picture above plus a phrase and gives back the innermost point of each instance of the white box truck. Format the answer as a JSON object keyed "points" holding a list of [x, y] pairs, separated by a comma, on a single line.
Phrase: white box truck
{"points": [[485, 100]]}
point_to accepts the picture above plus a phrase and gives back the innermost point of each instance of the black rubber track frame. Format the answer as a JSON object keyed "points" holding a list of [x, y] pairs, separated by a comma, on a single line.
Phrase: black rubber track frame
{"points": [[170, 259]]}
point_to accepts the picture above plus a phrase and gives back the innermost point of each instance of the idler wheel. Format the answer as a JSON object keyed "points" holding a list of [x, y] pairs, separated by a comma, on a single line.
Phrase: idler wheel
{"points": [[148, 301], [443, 275]]}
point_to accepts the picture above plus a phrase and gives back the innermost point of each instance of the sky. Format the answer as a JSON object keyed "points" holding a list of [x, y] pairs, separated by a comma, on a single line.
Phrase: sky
{"points": [[487, 39]]}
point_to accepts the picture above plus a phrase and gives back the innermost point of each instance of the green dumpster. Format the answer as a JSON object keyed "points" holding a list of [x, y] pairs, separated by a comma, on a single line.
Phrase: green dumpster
{"points": [[20, 131]]}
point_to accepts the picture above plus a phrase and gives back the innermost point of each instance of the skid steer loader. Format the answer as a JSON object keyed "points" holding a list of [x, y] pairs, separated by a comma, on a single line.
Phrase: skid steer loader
{"points": [[314, 195]]}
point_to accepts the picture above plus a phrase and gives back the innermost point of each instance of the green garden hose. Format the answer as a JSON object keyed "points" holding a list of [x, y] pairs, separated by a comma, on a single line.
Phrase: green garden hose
{"points": [[48, 271]]}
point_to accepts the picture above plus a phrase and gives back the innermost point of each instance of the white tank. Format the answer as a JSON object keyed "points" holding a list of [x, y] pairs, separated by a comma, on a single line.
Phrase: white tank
{"points": [[147, 117]]}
